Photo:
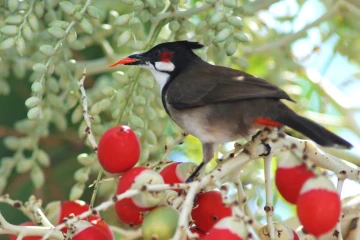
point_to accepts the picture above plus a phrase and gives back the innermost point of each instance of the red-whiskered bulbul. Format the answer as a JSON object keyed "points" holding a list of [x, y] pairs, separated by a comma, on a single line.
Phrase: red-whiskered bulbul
{"points": [[219, 104]]}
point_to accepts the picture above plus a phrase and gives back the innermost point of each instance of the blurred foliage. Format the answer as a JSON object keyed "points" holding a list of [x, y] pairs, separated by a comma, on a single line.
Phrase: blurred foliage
{"points": [[44, 46]]}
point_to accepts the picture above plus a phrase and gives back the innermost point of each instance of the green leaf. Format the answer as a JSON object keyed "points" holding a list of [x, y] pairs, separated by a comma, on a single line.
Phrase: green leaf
{"points": [[27, 33], [43, 158], [59, 23], [14, 19], [123, 38], [6, 44], [13, 5], [222, 35], [20, 46], [33, 113], [36, 87], [72, 36], [122, 20], [9, 30], [229, 3], [242, 37], [174, 26], [39, 9], [47, 50], [39, 68], [33, 22], [138, 5], [37, 177], [216, 18], [56, 32], [93, 12], [231, 46], [67, 7], [86, 26], [136, 122], [32, 102], [236, 22]]}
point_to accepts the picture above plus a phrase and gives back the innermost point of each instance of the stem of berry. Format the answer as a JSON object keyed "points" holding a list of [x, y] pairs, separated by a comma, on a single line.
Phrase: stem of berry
{"points": [[269, 208]]}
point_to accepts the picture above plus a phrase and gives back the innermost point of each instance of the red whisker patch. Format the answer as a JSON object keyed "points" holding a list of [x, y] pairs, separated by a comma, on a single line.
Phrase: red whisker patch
{"points": [[166, 56]]}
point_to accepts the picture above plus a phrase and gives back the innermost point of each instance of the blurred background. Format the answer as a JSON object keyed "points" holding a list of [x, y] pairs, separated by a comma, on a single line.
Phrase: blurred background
{"points": [[308, 47]]}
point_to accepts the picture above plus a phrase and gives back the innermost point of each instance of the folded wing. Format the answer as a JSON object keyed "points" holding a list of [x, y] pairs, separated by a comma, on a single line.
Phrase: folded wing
{"points": [[215, 84]]}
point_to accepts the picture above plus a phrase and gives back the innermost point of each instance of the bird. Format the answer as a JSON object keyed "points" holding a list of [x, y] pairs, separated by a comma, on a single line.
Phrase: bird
{"points": [[218, 104]]}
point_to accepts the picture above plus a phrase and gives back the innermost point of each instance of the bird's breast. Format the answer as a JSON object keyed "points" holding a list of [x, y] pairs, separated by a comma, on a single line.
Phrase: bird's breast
{"points": [[206, 124]]}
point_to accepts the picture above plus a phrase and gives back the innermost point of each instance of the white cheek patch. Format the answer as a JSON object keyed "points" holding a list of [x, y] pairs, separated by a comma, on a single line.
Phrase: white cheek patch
{"points": [[165, 66], [160, 77]]}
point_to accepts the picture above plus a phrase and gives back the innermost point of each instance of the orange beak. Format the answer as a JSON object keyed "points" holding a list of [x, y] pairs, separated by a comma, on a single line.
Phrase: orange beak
{"points": [[123, 61]]}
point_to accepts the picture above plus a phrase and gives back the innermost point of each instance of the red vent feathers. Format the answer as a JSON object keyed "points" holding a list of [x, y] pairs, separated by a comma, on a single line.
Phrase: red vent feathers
{"points": [[266, 122]]}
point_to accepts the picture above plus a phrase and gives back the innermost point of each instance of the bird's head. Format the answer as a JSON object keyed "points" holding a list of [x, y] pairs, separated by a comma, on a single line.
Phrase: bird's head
{"points": [[165, 57]]}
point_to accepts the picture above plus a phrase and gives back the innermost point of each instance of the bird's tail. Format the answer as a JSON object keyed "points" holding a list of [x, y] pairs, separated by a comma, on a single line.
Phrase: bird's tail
{"points": [[314, 131]]}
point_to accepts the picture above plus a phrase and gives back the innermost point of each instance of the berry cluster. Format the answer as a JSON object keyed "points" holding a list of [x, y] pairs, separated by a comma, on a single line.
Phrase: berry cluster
{"points": [[318, 204]]}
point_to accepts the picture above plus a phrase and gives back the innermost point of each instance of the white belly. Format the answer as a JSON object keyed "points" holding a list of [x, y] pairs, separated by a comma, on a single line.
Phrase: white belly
{"points": [[196, 123]]}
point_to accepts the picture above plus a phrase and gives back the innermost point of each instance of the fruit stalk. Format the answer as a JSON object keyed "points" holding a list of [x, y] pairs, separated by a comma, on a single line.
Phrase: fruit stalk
{"points": [[269, 208]]}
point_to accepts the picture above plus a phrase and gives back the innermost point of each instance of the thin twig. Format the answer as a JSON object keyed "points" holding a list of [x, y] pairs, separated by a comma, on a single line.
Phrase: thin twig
{"points": [[87, 117], [293, 36], [339, 186], [269, 208], [23, 231], [241, 194], [18, 205], [183, 222], [88, 131]]}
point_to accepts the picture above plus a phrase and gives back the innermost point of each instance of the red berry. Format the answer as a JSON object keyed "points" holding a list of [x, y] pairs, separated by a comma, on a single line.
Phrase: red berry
{"points": [[128, 178], [128, 215], [318, 206], [216, 234], [296, 236], [289, 181], [177, 172], [75, 207], [119, 149], [209, 210], [228, 228], [86, 231], [169, 174], [104, 227], [136, 178], [13, 237], [56, 211]]}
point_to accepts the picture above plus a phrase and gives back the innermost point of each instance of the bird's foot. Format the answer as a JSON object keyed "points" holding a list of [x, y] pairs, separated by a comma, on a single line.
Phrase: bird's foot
{"points": [[181, 192], [188, 180], [268, 150], [191, 178]]}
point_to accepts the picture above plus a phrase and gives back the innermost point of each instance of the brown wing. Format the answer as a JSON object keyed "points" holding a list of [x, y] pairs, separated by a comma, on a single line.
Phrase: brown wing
{"points": [[216, 84]]}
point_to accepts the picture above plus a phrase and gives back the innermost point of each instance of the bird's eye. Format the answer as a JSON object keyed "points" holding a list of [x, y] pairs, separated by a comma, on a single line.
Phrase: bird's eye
{"points": [[157, 54]]}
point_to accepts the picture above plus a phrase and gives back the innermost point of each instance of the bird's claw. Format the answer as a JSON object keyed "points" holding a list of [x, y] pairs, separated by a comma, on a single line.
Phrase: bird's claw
{"points": [[256, 134], [268, 150]]}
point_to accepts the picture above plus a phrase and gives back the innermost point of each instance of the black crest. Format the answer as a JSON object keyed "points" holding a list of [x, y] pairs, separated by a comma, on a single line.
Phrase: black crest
{"points": [[180, 44], [190, 45]]}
